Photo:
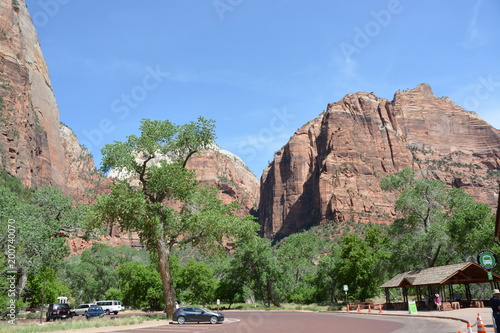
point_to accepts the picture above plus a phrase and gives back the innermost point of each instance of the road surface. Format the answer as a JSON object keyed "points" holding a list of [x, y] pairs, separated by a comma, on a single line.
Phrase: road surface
{"points": [[306, 322]]}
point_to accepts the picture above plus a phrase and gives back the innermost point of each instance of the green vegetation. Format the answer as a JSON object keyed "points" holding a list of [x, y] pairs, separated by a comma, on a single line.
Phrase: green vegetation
{"points": [[67, 325], [436, 225], [36, 221], [203, 220]]}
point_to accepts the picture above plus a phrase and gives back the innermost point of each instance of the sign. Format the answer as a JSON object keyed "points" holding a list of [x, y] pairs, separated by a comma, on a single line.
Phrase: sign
{"points": [[346, 288], [487, 259], [490, 275], [412, 307]]}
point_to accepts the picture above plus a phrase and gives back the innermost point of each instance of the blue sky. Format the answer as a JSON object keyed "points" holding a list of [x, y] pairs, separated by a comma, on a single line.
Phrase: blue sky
{"points": [[260, 68]]}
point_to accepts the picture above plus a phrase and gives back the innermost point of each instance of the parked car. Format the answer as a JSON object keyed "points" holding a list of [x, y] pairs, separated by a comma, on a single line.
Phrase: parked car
{"points": [[195, 314], [58, 311], [110, 306], [81, 309], [94, 311]]}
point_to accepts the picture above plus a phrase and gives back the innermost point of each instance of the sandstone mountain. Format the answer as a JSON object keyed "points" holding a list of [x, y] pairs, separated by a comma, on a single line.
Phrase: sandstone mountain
{"points": [[331, 167], [229, 173], [34, 145], [219, 168]]}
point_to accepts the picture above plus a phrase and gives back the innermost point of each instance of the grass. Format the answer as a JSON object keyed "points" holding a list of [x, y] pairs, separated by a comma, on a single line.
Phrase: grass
{"points": [[283, 307], [63, 325]]}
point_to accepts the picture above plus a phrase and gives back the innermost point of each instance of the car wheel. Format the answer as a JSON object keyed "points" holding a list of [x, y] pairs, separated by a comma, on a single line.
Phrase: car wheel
{"points": [[116, 312], [47, 318], [107, 312], [181, 320], [213, 320]]}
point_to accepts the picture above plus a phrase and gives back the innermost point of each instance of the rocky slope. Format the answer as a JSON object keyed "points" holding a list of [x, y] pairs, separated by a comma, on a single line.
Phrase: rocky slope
{"points": [[227, 172], [331, 167], [218, 168], [34, 145]]}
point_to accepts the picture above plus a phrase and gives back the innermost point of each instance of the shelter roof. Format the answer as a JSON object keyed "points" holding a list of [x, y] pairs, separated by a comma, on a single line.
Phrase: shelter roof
{"points": [[466, 272]]}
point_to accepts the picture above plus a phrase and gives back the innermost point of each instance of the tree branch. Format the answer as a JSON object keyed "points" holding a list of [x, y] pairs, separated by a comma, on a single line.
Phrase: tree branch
{"points": [[143, 180], [433, 261], [187, 157]]}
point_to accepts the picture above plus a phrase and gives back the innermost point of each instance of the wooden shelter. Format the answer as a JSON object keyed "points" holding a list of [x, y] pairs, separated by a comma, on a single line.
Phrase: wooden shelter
{"points": [[441, 279]]}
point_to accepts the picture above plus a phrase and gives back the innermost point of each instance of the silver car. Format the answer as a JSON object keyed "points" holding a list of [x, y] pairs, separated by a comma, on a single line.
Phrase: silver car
{"points": [[81, 310]]}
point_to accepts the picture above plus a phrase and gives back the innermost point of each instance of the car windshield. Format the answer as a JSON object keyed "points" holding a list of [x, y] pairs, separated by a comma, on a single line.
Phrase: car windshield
{"points": [[95, 308], [61, 306]]}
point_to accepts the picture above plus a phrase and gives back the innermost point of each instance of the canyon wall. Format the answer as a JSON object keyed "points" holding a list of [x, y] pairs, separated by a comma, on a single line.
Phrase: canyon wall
{"points": [[34, 145], [331, 168]]}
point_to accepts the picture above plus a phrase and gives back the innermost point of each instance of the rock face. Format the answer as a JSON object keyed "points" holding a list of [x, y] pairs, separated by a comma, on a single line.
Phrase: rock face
{"points": [[218, 168], [331, 167], [34, 145], [227, 172]]}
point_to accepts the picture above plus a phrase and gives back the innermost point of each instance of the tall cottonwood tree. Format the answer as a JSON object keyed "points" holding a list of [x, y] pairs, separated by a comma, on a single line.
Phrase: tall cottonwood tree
{"points": [[436, 225], [168, 206]]}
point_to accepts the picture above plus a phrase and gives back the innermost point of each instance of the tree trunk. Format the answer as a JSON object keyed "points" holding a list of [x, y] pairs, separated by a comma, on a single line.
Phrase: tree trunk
{"points": [[22, 280], [166, 277]]}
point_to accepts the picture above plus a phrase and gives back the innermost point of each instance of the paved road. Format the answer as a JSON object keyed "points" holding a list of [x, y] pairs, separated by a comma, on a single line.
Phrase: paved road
{"points": [[306, 322]]}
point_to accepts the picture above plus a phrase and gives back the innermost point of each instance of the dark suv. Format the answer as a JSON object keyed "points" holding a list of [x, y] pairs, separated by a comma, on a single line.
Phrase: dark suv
{"points": [[58, 311]]}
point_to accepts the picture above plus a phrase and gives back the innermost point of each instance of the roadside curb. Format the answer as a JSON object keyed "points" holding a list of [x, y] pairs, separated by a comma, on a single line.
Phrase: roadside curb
{"points": [[146, 324], [406, 315]]}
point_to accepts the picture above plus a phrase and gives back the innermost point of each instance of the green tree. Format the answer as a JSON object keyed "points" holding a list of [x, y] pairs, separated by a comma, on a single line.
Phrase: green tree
{"points": [[356, 267], [326, 287], [197, 283], [379, 242], [230, 291], [469, 221], [114, 294], [149, 208], [435, 224], [47, 285], [94, 272], [255, 266], [297, 254], [140, 285], [38, 221]]}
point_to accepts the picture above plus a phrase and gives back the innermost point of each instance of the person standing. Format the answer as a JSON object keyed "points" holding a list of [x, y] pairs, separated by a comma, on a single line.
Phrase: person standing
{"points": [[495, 307], [437, 301]]}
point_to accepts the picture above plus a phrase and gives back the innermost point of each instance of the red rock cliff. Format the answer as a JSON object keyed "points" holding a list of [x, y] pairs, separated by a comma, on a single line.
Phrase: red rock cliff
{"points": [[331, 167], [34, 145]]}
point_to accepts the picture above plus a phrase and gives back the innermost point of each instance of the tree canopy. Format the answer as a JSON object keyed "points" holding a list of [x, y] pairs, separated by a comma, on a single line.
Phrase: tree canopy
{"points": [[37, 220], [168, 206], [436, 225]]}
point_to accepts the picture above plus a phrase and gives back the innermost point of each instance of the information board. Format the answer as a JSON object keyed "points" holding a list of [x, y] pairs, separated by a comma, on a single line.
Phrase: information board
{"points": [[412, 307]]}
